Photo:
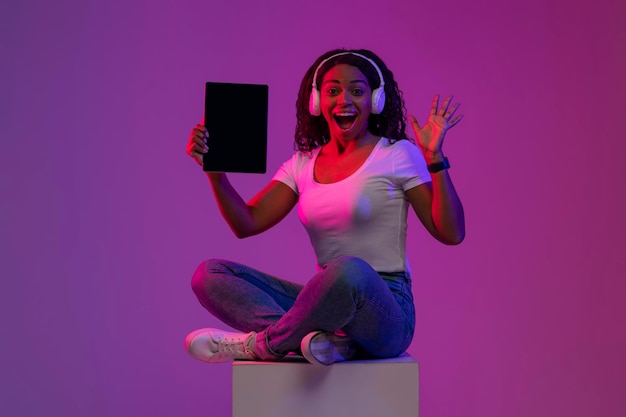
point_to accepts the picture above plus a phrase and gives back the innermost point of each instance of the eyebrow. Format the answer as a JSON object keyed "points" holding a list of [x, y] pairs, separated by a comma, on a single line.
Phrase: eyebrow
{"points": [[351, 82]]}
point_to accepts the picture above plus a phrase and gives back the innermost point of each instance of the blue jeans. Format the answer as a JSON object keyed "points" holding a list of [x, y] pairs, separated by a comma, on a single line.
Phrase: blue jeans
{"points": [[374, 309]]}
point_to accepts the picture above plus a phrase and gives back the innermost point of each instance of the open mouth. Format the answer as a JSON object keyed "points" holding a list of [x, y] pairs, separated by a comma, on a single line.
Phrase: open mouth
{"points": [[344, 122]]}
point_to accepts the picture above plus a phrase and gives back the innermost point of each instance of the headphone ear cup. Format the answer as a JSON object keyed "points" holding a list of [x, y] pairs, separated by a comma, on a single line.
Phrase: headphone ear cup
{"points": [[314, 102], [378, 100]]}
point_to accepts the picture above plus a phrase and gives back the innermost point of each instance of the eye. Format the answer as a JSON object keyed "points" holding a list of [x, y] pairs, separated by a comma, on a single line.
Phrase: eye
{"points": [[358, 92], [332, 91]]}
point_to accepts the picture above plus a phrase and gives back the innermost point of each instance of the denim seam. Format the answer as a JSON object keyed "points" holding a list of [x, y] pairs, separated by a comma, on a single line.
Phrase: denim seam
{"points": [[267, 345]]}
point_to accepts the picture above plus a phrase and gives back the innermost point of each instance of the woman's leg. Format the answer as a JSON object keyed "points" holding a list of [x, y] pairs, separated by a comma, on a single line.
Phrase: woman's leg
{"points": [[242, 297], [349, 295]]}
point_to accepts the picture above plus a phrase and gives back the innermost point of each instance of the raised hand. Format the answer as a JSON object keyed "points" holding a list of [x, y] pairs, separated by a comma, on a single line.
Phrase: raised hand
{"points": [[430, 137]]}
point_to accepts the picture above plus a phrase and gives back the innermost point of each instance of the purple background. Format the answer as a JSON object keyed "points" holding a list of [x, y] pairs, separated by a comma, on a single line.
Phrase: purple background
{"points": [[104, 217]]}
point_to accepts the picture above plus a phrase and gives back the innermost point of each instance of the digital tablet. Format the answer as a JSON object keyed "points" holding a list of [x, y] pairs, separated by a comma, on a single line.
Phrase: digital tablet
{"points": [[236, 117]]}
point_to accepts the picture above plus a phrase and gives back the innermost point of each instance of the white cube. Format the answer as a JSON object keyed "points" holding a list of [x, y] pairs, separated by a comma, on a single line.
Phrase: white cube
{"points": [[363, 388]]}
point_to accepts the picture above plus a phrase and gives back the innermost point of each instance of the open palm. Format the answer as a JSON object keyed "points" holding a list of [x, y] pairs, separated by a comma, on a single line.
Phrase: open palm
{"points": [[430, 137]]}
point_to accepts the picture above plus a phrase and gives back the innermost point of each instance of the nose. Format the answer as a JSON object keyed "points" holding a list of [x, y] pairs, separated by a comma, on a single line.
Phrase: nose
{"points": [[345, 99]]}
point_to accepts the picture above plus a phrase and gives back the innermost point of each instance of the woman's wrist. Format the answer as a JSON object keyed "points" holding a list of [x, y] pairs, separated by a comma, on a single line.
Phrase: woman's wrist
{"points": [[439, 166], [432, 157], [216, 177]]}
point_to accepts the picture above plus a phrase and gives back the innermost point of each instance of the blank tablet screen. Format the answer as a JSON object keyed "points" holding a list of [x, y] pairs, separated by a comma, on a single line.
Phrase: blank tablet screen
{"points": [[236, 117]]}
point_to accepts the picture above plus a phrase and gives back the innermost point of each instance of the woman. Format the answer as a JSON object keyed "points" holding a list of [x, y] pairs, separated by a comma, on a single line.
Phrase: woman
{"points": [[353, 178]]}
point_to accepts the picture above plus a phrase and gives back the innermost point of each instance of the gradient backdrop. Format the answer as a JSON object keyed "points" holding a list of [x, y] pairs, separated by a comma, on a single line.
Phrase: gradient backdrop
{"points": [[104, 217]]}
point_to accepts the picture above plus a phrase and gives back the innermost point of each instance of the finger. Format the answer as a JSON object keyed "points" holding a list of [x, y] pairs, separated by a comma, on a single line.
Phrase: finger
{"points": [[196, 153], [433, 109], [444, 106], [200, 132], [451, 112], [201, 128], [455, 121], [199, 147], [414, 122], [199, 138], [197, 131], [196, 144], [192, 147], [202, 147]]}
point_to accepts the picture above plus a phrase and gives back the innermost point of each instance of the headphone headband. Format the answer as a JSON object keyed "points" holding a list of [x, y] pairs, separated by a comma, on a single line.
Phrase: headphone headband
{"points": [[371, 61]]}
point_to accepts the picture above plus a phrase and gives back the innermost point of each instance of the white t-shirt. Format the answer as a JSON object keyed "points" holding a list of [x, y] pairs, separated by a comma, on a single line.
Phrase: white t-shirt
{"points": [[363, 215]]}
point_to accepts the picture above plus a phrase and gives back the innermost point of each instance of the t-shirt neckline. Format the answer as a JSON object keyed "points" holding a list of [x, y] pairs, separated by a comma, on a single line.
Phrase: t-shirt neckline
{"points": [[358, 170]]}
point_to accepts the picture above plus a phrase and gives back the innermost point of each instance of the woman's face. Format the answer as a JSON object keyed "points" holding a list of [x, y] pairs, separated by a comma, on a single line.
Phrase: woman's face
{"points": [[346, 102]]}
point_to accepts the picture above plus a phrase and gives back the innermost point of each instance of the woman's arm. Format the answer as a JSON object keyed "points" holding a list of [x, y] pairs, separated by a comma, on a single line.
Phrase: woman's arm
{"points": [[439, 209], [436, 203], [263, 211]]}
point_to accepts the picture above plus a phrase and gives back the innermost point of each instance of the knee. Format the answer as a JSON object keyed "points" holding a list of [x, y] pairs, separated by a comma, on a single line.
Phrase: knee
{"points": [[205, 272]]}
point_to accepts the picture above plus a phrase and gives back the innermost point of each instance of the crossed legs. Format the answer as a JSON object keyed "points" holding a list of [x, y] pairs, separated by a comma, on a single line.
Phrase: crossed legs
{"points": [[374, 310]]}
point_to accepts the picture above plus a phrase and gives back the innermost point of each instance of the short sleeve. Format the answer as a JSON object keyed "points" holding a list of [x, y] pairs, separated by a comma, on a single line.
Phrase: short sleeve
{"points": [[288, 173], [409, 168]]}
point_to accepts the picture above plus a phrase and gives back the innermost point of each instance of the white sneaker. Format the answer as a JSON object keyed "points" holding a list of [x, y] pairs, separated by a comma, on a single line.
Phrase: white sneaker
{"points": [[325, 348], [215, 345]]}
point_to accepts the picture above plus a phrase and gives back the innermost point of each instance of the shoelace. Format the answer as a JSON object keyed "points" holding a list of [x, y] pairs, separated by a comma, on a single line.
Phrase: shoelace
{"points": [[233, 345]]}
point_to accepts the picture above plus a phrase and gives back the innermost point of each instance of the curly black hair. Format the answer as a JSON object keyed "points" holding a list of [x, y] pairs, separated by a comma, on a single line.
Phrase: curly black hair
{"points": [[313, 132]]}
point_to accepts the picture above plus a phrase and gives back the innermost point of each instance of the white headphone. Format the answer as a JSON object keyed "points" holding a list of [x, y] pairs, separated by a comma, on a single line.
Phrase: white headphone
{"points": [[378, 95]]}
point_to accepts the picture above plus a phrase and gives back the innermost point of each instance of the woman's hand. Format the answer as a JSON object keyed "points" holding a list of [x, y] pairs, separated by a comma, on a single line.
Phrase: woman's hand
{"points": [[430, 137], [197, 145]]}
